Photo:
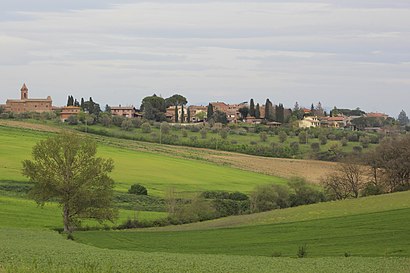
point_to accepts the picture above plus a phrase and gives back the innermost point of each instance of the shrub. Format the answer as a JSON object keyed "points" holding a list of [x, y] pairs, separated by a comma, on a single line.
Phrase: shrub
{"points": [[269, 197], [193, 139], [164, 127], [365, 141], [126, 125], [224, 133], [138, 189], [146, 128], [282, 136], [302, 251], [357, 149], [184, 133], [253, 142], [323, 139], [315, 147], [203, 133], [263, 136], [303, 193], [303, 137], [72, 120], [136, 122], [344, 142], [294, 146], [117, 120], [332, 137]]}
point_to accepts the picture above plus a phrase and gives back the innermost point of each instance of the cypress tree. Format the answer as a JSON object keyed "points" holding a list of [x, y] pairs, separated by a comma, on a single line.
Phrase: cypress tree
{"points": [[268, 110], [182, 113], [257, 111], [252, 108], [176, 114], [189, 115], [82, 104], [210, 112]]}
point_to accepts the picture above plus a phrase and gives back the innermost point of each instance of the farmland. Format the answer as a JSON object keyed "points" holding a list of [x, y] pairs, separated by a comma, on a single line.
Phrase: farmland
{"points": [[359, 235]]}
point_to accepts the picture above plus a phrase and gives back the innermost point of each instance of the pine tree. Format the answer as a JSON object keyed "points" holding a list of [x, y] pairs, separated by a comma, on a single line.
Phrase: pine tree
{"points": [[403, 119], [252, 108], [257, 111]]}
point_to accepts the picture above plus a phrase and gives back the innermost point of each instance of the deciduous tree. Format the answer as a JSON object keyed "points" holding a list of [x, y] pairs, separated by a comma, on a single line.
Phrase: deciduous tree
{"points": [[65, 169]]}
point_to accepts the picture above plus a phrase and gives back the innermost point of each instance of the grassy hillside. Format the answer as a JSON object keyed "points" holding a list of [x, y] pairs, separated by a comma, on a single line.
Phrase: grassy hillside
{"points": [[23, 213], [34, 250], [157, 172], [359, 231]]}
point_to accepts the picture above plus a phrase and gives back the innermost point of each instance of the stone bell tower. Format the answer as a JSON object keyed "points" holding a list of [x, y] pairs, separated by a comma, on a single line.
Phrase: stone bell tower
{"points": [[24, 92]]}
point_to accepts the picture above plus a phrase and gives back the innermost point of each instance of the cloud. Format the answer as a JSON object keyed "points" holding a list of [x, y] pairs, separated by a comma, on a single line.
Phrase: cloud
{"points": [[227, 50]]}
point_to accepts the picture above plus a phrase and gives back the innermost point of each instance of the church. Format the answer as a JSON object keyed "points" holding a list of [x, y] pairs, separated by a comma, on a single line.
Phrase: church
{"points": [[24, 104]]}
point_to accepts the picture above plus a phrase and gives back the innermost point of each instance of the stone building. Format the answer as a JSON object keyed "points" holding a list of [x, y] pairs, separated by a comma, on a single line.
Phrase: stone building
{"points": [[124, 111], [68, 111], [25, 104]]}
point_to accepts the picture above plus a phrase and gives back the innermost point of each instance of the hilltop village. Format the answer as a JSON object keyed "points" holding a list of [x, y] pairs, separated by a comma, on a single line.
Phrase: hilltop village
{"points": [[176, 109]]}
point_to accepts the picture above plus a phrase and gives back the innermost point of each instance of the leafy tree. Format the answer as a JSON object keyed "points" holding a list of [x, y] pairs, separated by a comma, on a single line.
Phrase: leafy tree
{"points": [[210, 112], [220, 117], [153, 108], [303, 193], [65, 169], [269, 197], [252, 108], [146, 128], [138, 189], [257, 111], [403, 119], [175, 100], [315, 146], [244, 111], [91, 107]]}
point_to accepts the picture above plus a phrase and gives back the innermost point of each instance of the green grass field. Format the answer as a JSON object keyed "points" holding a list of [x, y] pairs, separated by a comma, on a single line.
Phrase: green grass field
{"points": [[360, 232], [374, 231], [156, 172]]}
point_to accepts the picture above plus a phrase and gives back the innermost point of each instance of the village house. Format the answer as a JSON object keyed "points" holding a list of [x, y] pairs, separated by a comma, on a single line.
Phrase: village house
{"points": [[68, 111], [309, 122], [198, 113], [124, 111], [170, 113], [25, 104], [377, 115]]}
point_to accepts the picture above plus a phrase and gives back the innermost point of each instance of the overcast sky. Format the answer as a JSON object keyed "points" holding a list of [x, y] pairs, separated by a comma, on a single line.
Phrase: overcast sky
{"points": [[348, 53]]}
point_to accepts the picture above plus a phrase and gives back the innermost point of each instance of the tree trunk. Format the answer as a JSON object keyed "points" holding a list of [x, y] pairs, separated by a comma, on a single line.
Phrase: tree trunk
{"points": [[66, 219]]}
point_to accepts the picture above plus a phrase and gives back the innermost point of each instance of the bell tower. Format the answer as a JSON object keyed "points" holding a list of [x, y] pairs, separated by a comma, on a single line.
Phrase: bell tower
{"points": [[24, 92]]}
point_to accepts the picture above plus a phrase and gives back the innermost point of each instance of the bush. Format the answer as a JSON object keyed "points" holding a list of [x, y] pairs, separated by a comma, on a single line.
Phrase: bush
{"points": [[303, 193], [72, 120], [323, 139], [117, 120], [282, 136], [224, 133], [344, 142], [136, 122], [302, 251], [365, 141], [203, 133], [184, 133], [126, 125], [269, 197], [357, 149], [303, 137], [146, 128], [164, 127], [294, 146], [315, 147], [138, 190], [263, 136]]}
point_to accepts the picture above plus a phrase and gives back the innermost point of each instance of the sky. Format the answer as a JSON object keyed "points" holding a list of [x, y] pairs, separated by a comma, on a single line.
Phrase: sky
{"points": [[349, 54]]}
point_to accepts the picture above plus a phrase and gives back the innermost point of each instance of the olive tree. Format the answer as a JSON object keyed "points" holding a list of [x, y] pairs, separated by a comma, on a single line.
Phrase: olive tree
{"points": [[65, 169]]}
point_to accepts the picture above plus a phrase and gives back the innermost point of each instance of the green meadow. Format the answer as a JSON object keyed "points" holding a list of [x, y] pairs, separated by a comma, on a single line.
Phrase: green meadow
{"points": [[358, 232], [157, 172], [370, 234]]}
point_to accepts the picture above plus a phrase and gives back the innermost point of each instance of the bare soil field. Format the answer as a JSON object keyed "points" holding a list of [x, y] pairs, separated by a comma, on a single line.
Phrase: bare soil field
{"points": [[311, 170]]}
